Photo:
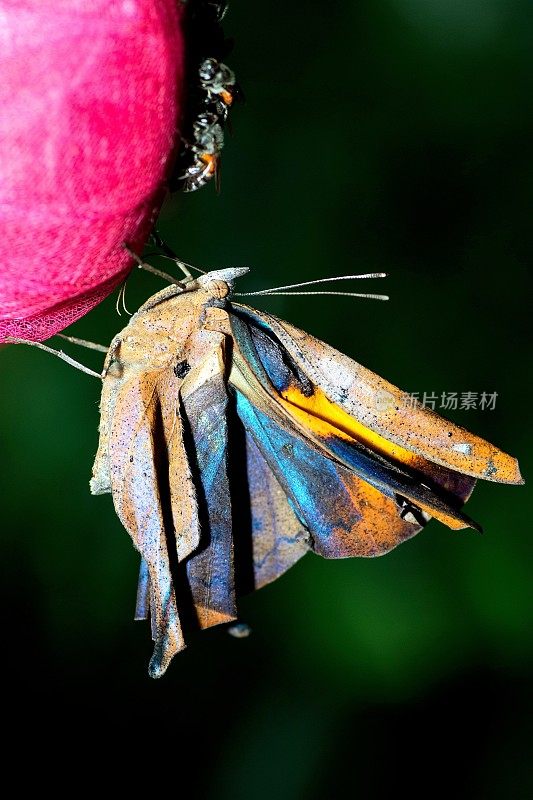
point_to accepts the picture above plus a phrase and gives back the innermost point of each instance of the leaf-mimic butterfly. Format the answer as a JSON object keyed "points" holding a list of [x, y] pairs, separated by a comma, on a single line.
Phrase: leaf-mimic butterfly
{"points": [[233, 443]]}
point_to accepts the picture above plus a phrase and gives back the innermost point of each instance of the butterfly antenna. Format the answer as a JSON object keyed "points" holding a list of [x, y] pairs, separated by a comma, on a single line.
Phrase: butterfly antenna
{"points": [[58, 353], [282, 290], [307, 294]]}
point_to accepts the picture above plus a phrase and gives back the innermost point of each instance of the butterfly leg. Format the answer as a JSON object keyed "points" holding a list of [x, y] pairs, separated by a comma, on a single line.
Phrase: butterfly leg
{"points": [[58, 353], [83, 343], [149, 268]]}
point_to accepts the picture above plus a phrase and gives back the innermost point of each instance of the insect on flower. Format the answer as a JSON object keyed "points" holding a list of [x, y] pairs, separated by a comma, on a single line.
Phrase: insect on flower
{"points": [[233, 443], [205, 151], [212, 90], [218, 82]]}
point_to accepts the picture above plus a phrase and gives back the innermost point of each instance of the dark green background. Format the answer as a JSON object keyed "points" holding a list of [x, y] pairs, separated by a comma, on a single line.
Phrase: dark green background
{"points": [[390, 136]]}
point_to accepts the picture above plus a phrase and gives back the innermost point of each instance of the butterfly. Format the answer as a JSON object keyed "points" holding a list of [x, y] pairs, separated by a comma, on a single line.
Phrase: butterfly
{"points": [[233, 443]]}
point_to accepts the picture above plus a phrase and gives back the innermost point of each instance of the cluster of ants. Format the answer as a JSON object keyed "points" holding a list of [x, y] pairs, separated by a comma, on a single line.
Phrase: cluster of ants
{"points": [[212, 91]]}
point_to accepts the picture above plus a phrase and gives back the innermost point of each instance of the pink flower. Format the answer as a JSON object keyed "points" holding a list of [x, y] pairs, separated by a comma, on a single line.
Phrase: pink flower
{"points": [[90, 99]]}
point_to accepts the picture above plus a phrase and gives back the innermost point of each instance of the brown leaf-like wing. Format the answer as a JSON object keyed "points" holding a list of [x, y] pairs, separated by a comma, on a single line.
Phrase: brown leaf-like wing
{"points": [[137, 475]]}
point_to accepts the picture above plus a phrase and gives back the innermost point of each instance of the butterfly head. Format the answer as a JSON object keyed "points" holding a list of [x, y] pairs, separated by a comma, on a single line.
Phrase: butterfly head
{"points": [[219, 283]]}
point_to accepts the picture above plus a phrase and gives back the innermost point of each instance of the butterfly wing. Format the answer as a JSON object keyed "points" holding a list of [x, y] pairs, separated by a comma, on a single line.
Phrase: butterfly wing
{"points": [[138, 485], [210, 571], [344, 515], [161, 454], [257, 370], [373, 410], [278, 539], [142, 601]]}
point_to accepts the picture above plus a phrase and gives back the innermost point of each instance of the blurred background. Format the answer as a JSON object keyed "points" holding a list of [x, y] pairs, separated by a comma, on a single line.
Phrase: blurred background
{"points": [[392, 136]]}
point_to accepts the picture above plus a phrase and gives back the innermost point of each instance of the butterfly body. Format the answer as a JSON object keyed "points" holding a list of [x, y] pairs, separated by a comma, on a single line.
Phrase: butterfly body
{"points": [[233, 443]]}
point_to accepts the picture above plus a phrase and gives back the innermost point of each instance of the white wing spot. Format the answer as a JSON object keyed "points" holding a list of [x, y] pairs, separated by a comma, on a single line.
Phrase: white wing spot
{"points": [[462, 447]]}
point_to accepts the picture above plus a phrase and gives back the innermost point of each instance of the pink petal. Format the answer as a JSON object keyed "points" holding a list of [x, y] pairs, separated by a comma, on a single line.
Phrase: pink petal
{"points": [[90, 101]]}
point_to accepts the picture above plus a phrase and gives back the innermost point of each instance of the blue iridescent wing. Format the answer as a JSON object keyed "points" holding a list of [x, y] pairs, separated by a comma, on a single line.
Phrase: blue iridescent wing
{"points": [[278, 539]]}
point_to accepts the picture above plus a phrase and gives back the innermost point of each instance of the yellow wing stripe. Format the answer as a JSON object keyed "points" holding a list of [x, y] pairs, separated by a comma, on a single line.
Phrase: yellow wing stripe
{"points": [[326, 418]]}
